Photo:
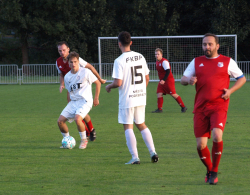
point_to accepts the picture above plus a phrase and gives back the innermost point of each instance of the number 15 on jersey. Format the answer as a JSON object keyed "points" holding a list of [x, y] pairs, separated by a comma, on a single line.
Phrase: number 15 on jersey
{"points": [[134, 73]]}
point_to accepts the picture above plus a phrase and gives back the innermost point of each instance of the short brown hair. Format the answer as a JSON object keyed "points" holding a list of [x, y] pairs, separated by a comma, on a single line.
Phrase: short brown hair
{"points": [[62, 43], [212, 35], [160, 50], [124, 38], [73, 54]]}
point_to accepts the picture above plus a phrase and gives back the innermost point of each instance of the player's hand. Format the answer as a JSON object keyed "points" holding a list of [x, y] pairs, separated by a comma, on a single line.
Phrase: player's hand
{"points": [[226, 94], [96, 102], [61, 88], [193, 80], [103, 81], [162, 82], [108, 89]]}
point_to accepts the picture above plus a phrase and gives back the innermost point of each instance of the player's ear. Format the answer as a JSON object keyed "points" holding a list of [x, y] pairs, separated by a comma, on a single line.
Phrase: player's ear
{"points": [[130, 43], [218, 46]]}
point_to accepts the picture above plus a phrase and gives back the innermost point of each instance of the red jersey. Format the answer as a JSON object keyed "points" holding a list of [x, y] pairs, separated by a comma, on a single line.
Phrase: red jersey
{"points": [[62, 66], [162, 72], [212, 77]]}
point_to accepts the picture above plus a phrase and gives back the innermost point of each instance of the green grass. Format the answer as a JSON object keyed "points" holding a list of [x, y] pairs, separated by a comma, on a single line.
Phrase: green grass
{"points": [[32, 163]]}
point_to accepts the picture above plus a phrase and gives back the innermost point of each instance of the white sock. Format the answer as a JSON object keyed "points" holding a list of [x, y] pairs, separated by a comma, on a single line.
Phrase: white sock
{"points": [[148, 139], [65, 134], [83, 135], [131, 143]]}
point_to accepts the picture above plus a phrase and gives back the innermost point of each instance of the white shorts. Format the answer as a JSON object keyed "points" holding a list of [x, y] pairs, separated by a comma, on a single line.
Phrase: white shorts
{"points": [[79, 107], [130, 115]]}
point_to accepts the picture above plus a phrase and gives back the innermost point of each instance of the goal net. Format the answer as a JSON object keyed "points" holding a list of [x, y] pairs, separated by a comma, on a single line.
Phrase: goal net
{"points": [[179, 50]]}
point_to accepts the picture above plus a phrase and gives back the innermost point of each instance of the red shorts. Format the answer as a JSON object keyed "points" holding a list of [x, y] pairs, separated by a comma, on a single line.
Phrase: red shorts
{"points": [[167, 88], [204, 122]]}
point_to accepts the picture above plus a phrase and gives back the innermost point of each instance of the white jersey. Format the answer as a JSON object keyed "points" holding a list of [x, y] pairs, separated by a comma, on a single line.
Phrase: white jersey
{"points": [[82, 63], [79, 85], [131, 67]]}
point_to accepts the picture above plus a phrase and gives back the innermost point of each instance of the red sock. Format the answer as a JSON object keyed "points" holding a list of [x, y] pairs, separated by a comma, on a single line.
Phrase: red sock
{"points": [[205, 158], [86, 128], [216, 154], [90, 125], [180, 102], [160, 103]]}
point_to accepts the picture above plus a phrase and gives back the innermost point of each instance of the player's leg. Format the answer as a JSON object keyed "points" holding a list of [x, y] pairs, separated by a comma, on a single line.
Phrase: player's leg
{"points": [[202, 133], [86, 128], [159, 103], [68, 97], [91, 133], [160, 92], [218, 121], [131, 143], [84, 122], [179, 101], [139, 119], [82, 110], [62, 126], [66, 114], [204, 155], [125, 117], [82, 132], [216, 154]]}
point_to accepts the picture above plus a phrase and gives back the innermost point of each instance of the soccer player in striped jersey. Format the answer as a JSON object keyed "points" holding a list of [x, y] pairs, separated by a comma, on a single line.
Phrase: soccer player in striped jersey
{"points": [[131, 75], [211, 76]]}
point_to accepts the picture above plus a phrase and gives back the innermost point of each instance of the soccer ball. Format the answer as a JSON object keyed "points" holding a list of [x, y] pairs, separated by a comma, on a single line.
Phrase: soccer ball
{"points": [[68, 142]]}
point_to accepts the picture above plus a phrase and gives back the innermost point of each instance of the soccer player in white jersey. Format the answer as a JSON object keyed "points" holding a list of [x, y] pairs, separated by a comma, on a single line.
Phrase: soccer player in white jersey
{"points": [[78, 83], [131, 75], [63, 68]]}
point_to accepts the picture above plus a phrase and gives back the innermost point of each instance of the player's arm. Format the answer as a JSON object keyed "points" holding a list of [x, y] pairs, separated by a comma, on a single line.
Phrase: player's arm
{"points": [[97, 92], [92, 68], [61, 83], [238, 84], [235, 72], [116, 83], [166, 67], [147, 79], [188, 80], [189, 75]]}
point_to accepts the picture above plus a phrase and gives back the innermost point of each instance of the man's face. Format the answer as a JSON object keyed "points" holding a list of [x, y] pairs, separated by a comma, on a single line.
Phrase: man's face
{"points": [[158, 55], [63, 50], [210, 47], [74, 64]]}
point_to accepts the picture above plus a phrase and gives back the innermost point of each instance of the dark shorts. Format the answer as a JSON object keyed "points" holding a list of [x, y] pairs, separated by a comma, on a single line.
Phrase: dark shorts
{"points": [[204, 122]]}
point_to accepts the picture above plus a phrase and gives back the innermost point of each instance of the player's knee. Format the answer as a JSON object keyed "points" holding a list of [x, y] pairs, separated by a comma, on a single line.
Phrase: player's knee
{"points": [[217, 135], [217, 138], [60, 122], [78, 119], [201, 146]]}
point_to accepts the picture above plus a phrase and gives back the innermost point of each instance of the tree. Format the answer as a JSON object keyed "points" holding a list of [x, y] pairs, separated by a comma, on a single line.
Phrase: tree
{"points": [[34, 19]]}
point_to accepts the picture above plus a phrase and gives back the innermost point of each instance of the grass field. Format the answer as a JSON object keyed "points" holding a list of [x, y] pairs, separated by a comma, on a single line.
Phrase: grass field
{"points": [[32, 163]]}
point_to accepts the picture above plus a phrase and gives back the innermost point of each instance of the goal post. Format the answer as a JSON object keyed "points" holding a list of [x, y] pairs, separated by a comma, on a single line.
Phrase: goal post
{"points": [[179, 50]]}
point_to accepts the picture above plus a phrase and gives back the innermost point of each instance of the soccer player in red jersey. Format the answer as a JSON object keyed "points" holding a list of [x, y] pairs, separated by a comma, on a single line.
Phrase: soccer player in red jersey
{"points": [[211, 76], [167, 83], [63, 68]]}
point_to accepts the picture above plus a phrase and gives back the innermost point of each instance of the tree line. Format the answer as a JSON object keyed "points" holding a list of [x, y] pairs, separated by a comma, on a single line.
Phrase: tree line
{"points": [[30, 29]]}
